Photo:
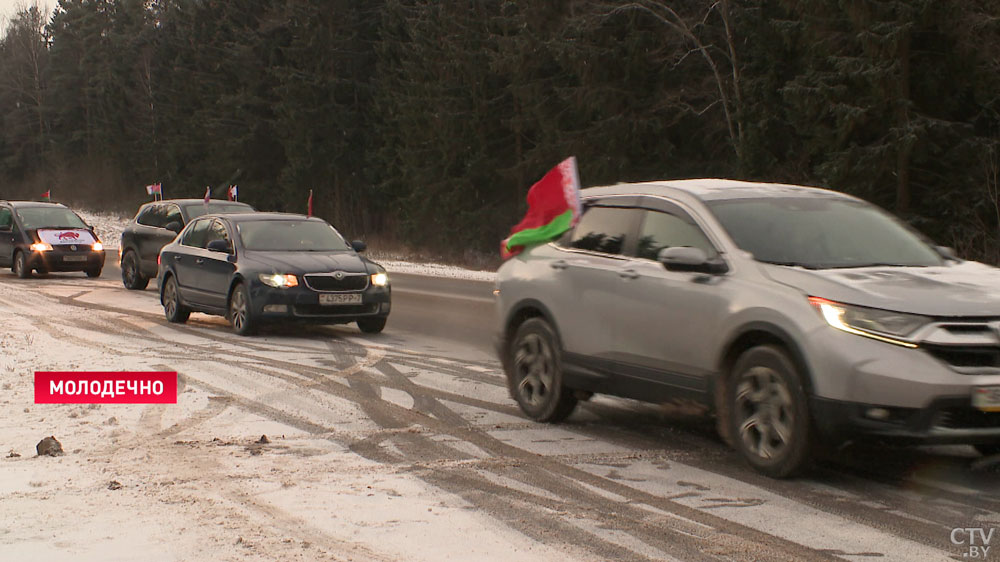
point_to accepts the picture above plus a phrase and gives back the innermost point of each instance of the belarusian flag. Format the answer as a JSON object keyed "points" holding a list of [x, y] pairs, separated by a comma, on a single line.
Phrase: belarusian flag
{"points": [[47, 196], [553, 208]]}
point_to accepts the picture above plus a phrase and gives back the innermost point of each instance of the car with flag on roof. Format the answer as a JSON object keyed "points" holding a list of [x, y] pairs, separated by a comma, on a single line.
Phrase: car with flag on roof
{"points": [[156, 224], [44, 237], [259, 268], [798, 316]]}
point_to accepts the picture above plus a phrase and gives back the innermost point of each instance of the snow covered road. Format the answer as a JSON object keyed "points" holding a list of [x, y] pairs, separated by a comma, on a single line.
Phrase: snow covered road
{"points": [[404, 446]]}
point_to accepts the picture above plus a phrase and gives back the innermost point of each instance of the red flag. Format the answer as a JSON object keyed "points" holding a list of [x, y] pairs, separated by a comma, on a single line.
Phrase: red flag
{"points": [[553, 208], [309, 211], [47, 195], [208, 194], [231, 193]]}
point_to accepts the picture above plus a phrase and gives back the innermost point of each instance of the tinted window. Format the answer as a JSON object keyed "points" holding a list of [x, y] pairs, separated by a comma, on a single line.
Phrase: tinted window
{"points": [[664, 230], [196, 233], [821, 233], [173, 214], [49, 217], [216, 208], [603, 229], [216, 231], [152, 215], [290, 235], [6, 218]]}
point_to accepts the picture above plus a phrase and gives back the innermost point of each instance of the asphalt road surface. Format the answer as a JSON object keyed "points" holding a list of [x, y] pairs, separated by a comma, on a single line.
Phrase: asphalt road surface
{"points": [[619, 480]]}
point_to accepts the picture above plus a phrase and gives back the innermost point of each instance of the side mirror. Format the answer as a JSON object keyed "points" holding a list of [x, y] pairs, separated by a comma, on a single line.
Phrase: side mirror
{"points": [[220, 246], [173, 226], [359, 246], [687, 258]]}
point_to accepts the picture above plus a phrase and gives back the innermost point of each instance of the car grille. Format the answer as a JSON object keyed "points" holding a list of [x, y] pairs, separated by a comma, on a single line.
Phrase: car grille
{"points": [[335, 310], [966, 356], [327, 282], [966, 418]]}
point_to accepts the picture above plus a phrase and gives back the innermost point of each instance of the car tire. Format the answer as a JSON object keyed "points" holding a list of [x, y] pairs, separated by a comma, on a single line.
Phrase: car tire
{"points": [[535, 376], [20, 265], [172, 307], [372, 325], [988, 449], [241, 312], [93, 272], [768, 412], [132, 277]]}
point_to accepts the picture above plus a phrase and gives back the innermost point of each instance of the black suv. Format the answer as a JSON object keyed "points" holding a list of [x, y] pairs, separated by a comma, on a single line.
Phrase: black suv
{"points": [[156, 225], [47, 237]]}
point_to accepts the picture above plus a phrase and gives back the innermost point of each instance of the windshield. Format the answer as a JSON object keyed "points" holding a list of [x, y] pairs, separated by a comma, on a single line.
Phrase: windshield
{"points": [[821, 233], [290, 236], [216, 208], [49, 217]]}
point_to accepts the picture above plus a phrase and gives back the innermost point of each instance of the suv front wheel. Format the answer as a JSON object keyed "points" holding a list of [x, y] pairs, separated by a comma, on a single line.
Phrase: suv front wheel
{"points": [[769, 416], [534, 373]]}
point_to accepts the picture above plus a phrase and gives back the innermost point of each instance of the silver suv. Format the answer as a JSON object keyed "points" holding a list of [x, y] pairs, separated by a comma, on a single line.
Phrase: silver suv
{"points": [[796, 315]]}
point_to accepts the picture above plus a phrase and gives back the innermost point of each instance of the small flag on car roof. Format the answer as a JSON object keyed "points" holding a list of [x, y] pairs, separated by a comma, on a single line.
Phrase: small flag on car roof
{"points": [[553, 208], [208, 194], [231, 193], [47, 196], [309, 205]]}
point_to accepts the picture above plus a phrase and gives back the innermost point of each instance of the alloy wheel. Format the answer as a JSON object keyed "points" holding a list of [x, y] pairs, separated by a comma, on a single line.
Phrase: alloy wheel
{"points": [[764, 407], [534, 364]]}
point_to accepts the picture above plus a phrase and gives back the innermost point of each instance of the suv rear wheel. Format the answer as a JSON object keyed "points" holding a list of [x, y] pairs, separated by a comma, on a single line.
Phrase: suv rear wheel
{"points": [[769, 416], [20, 267], [132, 277], [535, 376]]}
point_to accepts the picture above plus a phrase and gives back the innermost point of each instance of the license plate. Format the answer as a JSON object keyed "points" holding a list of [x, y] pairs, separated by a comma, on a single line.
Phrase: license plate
{"points": [[986, 398], [325, 298], [74, 258]]}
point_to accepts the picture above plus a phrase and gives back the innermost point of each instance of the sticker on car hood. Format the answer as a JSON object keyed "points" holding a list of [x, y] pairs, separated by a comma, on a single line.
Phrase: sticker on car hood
{"points": [[65, 236]]}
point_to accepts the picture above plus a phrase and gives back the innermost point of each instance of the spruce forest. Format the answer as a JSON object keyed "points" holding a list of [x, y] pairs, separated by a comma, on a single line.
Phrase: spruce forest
{"points": [[426, 121]]}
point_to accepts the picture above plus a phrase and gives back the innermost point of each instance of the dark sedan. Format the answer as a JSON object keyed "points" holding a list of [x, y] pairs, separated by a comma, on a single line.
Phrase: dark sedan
{"points": [[47, 237], [154, 226], [255, 268]]}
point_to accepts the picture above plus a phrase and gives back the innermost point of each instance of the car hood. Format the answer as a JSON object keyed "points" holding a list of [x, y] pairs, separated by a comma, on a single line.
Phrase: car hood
{"points": [[306, 262], [963, 289]]}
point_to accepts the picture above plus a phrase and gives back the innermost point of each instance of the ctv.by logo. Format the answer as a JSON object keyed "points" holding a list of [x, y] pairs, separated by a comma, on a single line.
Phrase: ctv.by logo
{"points": [[977, 539]]}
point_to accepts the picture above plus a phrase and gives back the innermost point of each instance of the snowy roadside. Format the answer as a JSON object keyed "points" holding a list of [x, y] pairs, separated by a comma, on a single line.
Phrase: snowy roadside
{"points": [[109, 229]]}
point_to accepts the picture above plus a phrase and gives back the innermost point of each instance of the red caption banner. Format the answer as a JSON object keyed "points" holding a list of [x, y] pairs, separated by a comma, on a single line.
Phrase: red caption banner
{"points": [[105, 387]]}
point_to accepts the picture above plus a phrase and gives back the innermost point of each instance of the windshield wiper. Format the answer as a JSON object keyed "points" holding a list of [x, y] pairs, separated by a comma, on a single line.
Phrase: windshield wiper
{"points": [[873, 264], [789, 264]]}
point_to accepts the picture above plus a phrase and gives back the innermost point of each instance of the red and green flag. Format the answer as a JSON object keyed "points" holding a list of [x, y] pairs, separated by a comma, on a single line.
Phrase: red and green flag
{"points": [[47, 196], [553, 208]]}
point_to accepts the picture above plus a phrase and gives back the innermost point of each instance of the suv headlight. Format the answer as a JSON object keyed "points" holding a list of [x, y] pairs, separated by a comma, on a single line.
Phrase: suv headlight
{"points": [[881, 325], [279, 280]]}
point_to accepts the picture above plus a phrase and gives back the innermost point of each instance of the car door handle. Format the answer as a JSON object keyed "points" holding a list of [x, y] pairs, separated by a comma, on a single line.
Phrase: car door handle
{"points": [[559, 264], [199, 261], [628, 274], [177, 258]]}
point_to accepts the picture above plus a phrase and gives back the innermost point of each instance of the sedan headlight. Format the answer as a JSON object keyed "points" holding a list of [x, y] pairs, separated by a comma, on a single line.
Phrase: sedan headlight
{"points": [[279, 280], [98, 247], [41, 247], [380, 279], [882, 325]]}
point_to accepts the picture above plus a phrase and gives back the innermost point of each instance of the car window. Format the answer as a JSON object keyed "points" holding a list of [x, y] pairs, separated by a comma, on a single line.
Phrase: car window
{"points": [[821, 233], [173, 214], [196, 233], [217, 208], [603, 229], [152, 215], [6, 218], [291, 236], [667, 230], [216, 231], [49, 217]]}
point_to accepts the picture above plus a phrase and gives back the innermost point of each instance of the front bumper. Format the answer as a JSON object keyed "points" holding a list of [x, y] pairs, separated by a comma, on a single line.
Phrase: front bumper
{"points": [[61, 258], [866, 388], [301, 304]]}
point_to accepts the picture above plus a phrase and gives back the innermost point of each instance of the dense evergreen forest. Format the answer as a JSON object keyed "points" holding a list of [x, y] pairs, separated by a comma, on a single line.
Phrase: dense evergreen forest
{"points": [[425, 121]]}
